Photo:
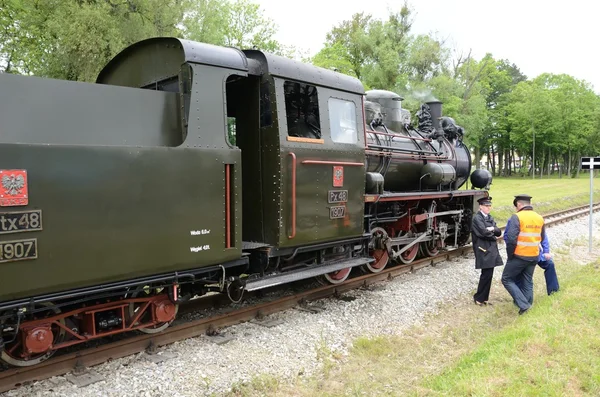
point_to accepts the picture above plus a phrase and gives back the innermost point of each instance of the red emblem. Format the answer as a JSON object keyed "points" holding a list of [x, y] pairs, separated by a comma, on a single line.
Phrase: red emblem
{"points": [[13, 190], [338, 176]]}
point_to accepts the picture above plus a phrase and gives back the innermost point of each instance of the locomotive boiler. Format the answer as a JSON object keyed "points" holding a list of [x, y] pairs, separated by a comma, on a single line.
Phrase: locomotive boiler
{"points": [[188, 168], [426, 158], [413, 177]]}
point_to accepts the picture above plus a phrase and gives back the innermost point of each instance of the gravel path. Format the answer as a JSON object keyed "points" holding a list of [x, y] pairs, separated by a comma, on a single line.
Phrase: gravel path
{"points": [[199, 366]]}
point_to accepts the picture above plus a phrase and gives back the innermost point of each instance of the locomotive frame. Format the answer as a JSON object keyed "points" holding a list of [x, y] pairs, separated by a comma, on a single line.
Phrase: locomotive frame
{"points": [[147, 202]]}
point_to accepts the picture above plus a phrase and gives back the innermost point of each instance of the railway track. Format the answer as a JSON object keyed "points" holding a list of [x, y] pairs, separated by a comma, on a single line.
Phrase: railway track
{"points": [[77, 362]]}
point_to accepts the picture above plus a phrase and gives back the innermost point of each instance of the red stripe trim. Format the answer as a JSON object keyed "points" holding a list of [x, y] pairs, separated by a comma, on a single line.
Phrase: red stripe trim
{"points": [[348, 163], [293, 195], [227, 206], [371, 198]]}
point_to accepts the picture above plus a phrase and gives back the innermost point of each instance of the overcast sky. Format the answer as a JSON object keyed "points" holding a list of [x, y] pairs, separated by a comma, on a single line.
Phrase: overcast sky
{"points": [[538, 36]]}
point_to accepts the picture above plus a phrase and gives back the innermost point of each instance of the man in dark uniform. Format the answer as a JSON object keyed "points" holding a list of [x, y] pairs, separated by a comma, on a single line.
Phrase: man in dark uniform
{"points": [[523, 237], [483, 233]]}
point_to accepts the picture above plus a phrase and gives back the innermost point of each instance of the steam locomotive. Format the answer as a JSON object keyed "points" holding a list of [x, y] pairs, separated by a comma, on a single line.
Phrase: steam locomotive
{"points": [[188, 168]]}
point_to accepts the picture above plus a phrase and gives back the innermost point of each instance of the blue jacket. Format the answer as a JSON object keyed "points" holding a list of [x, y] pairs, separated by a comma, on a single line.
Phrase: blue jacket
{"points": [[544, 245]]}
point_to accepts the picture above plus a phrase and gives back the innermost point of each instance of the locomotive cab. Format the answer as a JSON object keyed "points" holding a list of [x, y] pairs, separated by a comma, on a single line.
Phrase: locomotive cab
{"points": [[312, 155]]}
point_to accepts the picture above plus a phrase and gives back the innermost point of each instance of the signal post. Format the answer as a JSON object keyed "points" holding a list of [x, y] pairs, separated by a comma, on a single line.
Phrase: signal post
{"points": [[591, 163]]}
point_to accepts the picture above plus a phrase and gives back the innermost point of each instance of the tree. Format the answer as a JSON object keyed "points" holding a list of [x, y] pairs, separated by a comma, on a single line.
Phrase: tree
{"points": [[206, 21], [562, 112], [73, 39], [576, 116], [425, 59], [352, 37], [334, 57], [383, 54]]}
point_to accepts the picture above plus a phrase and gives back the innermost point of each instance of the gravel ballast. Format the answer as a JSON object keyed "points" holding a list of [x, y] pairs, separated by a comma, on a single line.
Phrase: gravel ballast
{"points": [[199, 366]]}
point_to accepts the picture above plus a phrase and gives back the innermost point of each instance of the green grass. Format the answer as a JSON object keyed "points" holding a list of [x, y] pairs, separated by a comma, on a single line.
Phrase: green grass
{"points": [[264, 382], [549, 194], [552, 351]]}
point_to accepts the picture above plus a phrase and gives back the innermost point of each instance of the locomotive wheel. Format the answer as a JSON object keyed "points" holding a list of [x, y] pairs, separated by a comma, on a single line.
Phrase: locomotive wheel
{"points": [[409, 255], [13, 352], [429, 248], [382, 257], [336, 277], [135, 307], [465, 234]]}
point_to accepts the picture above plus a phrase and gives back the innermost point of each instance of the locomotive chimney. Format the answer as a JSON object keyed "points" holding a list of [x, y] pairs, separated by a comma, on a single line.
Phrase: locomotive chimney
{"points": [[435, 107]]}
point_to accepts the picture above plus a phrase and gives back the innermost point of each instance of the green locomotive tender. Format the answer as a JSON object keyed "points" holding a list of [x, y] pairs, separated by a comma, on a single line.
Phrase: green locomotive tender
{"points": [[189, 168]]}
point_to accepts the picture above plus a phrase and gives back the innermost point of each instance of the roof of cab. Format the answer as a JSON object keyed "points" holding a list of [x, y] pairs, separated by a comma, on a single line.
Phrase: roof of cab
{"points": [[292, 69], [146, 61], [159, 58]]}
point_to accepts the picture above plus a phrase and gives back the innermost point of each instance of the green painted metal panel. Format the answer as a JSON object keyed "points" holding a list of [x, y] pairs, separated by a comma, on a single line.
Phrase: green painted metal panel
{"points": [[76, 113], [270, 172], [117, 200], [116, 213], [315, 162]]}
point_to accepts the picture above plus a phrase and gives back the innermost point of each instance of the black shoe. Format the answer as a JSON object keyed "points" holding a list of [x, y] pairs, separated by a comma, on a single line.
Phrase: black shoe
{"points": [[523, 311]]}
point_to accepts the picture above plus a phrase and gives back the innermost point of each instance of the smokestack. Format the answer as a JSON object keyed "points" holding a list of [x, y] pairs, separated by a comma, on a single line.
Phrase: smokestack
{"points": [[435, 108]]}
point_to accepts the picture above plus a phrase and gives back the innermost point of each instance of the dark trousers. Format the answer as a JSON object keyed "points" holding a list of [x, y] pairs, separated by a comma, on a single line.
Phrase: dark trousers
{"points": [[517, 278], [549, 275], [485, 283]]}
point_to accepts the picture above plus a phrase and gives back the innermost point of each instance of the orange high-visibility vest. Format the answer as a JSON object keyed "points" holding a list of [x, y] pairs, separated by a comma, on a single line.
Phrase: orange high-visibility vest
{"points": [[530, 235]]}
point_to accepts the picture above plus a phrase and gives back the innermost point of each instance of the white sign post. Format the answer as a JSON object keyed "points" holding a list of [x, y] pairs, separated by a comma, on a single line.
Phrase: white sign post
{"points": [[591, 163]]}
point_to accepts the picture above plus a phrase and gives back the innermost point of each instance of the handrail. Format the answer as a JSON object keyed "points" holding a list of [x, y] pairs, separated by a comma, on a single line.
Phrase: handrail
{"points": [[408, 156], [398, 149], [364, 120], [414, 138], [293, 195]]}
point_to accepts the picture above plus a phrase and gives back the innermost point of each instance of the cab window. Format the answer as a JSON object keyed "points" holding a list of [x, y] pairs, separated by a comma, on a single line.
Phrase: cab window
{"points": [[342, 121], [302, 110]]}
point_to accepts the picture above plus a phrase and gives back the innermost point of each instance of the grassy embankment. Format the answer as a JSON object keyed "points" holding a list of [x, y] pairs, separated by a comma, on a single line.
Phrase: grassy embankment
{"points": [[554, 350], [549, 195]]}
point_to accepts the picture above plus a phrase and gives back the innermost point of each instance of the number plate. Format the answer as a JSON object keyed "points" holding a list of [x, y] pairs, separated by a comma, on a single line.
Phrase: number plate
{"points": [[18, 250], [15, 222], [338, 196], [337, 212]]}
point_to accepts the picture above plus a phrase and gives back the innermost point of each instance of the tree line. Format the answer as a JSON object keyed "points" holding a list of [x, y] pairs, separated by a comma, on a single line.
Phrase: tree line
{"points": [[74, 39], [542, 124], [506, 116]]}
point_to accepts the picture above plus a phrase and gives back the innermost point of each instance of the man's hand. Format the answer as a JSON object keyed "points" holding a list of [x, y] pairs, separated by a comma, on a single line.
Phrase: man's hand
{"points": [[547, 256]]}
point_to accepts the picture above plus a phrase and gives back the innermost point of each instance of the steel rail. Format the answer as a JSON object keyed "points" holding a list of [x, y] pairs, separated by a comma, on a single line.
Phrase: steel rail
{"points": [[14, 377]]}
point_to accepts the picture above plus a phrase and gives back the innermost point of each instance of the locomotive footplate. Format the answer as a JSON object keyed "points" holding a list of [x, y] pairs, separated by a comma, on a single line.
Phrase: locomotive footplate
{"points": [[307, 272], [374, 198]]}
